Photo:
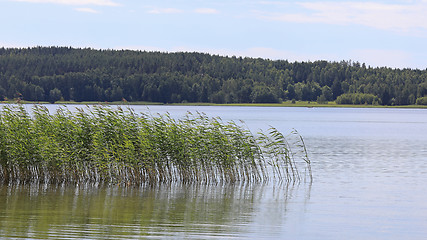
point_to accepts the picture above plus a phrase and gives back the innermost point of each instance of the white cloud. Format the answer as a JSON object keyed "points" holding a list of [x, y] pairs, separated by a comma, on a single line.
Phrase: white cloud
{"points": [[87, 10], [206, 11], [165, 11], [397, 17], [74, 2]]}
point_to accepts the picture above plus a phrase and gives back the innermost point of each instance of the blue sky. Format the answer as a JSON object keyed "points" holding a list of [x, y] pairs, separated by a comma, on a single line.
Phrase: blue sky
{"points": [[378, 33]]}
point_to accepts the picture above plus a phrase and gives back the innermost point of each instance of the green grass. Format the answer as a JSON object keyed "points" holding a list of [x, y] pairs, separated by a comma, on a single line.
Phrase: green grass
{"points": [[102, 144]]}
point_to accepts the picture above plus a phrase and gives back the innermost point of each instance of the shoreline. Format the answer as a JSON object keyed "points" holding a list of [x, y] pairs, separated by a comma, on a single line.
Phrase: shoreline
{"points": [[283, 104]]}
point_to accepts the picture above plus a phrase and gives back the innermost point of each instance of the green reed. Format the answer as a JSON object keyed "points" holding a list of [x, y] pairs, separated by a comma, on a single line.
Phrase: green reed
{"points": [[102, 144]]}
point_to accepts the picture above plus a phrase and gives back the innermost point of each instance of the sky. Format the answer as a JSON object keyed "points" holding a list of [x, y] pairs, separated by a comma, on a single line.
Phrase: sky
{"points": [[378, 33]]}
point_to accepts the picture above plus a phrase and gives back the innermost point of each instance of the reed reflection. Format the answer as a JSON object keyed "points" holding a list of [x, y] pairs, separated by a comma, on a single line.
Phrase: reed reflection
{"points": [[89, 211]]}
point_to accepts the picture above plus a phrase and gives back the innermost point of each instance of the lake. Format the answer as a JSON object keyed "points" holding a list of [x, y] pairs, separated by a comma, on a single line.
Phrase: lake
{"points": [[369, 182]]}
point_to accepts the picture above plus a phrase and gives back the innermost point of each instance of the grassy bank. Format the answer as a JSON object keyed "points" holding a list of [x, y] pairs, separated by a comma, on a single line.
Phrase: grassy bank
{"points": [[102, 144]]}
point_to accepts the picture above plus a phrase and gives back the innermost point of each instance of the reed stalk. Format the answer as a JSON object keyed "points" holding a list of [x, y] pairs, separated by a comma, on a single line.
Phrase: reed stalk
{"points": [[105, 145]]}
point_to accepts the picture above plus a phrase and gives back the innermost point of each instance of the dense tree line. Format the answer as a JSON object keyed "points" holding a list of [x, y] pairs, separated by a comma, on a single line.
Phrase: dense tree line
{"points": [[63, 73], [357, 98]]}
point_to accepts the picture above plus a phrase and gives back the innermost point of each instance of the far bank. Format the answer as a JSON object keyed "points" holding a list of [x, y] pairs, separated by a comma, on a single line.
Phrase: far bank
{"points": [[283, 104]]}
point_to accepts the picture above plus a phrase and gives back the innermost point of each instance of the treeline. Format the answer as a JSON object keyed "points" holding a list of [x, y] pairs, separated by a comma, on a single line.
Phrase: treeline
{"points": [[70, 74]]}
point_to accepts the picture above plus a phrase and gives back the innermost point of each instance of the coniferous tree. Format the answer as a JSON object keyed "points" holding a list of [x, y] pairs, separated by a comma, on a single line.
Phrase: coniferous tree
{"points": [[54, 73]]}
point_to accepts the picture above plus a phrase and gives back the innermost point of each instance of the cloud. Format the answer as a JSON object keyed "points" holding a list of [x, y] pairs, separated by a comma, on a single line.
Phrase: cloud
{"points": [[165, 11], [396, 17], [87, 10], [74, 2], [206, 11]]}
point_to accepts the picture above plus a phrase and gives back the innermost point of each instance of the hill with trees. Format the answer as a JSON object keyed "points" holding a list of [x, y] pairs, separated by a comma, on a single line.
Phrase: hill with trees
{"points": [[70, 74]]}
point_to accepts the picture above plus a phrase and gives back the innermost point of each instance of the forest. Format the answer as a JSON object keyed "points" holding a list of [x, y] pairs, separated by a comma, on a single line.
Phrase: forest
{"points": [[75, 74]]}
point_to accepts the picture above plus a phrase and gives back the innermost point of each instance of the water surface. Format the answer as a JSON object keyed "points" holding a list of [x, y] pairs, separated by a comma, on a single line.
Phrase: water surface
{"points": [[369, 169]]}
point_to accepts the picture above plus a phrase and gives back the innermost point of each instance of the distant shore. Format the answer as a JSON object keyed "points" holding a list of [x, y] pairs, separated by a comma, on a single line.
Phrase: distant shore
{"points": [[283, 104]]}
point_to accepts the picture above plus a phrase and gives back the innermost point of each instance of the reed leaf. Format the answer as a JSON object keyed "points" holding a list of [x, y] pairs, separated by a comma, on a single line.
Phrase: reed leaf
{"points": [[105, 145]]}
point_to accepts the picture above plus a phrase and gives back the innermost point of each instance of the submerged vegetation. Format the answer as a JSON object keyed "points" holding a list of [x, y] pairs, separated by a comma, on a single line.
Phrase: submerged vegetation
{"points": [[102, 144]]}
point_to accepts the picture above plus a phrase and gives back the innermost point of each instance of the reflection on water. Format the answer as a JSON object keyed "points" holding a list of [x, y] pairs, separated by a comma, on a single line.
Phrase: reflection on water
{"points": [[190, 211], [369, 182]]}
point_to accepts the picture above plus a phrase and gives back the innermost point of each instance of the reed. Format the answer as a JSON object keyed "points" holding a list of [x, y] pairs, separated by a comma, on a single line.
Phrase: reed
{"points": [[102, 144]]}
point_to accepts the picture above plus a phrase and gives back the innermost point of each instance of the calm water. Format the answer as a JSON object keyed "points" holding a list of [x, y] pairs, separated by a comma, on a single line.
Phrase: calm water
{"points": [[370, 182]]}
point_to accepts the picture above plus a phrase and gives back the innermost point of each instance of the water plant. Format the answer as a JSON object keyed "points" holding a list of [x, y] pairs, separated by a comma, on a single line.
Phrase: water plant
{"points": [[103, 144]]}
